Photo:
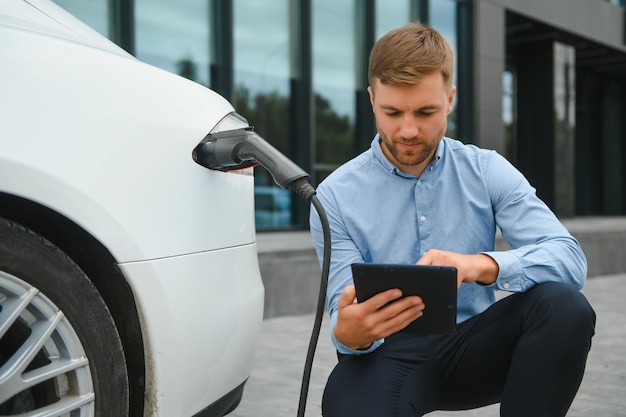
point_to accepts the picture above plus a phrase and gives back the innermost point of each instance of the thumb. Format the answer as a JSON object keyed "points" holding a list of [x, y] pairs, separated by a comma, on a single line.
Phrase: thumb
{"points": [[347, 297]]}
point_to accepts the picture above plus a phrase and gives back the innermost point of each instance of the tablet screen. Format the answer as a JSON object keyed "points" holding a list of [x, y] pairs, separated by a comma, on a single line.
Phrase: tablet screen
{"points": [[436, 285]]}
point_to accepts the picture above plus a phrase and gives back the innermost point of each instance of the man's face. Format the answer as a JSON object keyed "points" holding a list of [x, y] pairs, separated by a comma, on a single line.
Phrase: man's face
{"points": [[411, 120]]}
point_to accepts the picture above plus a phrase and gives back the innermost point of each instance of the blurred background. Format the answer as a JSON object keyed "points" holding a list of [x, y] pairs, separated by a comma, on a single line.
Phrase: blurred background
{"points": [[543, 82]]}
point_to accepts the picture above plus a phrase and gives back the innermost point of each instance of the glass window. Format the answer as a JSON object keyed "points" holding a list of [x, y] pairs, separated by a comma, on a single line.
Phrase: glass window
{"points": [[388, 18], [508, 114], [564, 93], [443, 18], [262, 89], [334, 83], [174, 36], [94, 13], [564, 84]]}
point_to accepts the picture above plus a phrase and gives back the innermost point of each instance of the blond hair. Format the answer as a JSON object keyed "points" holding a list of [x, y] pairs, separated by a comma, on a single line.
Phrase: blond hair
{"points": [[405, 55]]}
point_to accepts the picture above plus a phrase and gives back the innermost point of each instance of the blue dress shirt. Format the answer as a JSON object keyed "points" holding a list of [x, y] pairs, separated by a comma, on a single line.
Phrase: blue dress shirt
{"points": [[379, 214]]}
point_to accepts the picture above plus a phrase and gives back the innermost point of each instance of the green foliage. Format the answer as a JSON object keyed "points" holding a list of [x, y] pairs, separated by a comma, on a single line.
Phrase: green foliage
{"points": [[269, 114], [187, 68], [334, 134]]}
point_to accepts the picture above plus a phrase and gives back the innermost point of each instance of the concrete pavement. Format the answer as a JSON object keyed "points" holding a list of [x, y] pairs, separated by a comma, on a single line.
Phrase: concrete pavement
{"points": [[274, 386]]}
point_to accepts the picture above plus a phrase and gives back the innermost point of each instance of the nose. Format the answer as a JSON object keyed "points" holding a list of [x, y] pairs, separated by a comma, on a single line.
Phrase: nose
{"points": [[408, 127]]}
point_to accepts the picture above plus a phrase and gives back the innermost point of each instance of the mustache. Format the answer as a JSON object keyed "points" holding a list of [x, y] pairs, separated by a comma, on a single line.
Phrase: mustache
{"points": [[409, 141]]}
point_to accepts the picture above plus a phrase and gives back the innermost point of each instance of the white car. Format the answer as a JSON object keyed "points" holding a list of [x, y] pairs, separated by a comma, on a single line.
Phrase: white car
{"points": [[129, 279]]}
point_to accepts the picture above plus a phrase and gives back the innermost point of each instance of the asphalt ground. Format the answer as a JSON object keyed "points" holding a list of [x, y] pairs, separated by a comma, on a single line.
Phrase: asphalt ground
{"points": [[273, 389]]}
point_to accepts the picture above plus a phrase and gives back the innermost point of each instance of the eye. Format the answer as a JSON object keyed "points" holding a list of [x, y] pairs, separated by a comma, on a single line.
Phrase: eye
{"points": [[392, 113]]}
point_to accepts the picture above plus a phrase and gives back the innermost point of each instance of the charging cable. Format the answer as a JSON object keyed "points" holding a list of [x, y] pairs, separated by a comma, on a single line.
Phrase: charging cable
{"points": [[317, 323], [240, 148]]}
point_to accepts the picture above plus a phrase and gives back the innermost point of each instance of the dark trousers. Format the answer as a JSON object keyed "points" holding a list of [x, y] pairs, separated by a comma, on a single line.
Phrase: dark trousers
{"points": [[527, 351]]}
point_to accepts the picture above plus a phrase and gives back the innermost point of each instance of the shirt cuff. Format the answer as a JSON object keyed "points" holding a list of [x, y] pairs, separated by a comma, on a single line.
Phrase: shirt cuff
{"points": [[510, 271], [345, 350]]}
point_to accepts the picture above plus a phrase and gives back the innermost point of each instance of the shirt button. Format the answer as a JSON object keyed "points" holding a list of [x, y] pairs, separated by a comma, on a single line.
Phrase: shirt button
{"points": [[422, 218], [419, 182], [506, 285]]}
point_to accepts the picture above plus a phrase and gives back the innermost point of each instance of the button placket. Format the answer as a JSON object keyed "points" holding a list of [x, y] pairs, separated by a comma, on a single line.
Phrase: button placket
{"points": [[422, 215]]}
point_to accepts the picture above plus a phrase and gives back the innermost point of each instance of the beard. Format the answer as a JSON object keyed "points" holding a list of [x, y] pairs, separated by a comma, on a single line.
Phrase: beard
{"points": [[405, 157], [422, 152]]}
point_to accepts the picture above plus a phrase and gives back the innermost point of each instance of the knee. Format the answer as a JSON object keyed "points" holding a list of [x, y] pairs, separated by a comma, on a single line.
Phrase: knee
{"points": [[565, 307], [366, 386], [345, 401], [334, 405], [350, 390]]}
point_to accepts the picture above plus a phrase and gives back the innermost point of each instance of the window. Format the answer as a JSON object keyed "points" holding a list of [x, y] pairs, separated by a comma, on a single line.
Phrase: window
{"points": [[508, 114], [262, 91], [333, 83], [388, 18], [94, 13], [174, 36], [442, 16]]}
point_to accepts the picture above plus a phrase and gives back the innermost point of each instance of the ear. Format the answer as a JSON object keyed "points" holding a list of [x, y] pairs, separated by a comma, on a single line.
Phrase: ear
{"points": [[451, 97], [371, 93]]}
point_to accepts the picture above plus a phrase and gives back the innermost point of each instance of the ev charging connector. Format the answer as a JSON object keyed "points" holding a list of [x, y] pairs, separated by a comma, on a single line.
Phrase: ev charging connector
{"points": [[242, 148], [231, 150]]}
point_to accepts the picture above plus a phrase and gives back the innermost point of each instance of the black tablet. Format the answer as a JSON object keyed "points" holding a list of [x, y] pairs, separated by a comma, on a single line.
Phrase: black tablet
{"points": [[437, 285]]}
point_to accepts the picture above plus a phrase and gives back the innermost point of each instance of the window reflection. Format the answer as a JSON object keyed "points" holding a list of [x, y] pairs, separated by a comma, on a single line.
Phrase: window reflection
{"points": [[442, 16], [333, 83], [94, 13], [388, 18], [262, 65], [174, 36], [509, 117]]}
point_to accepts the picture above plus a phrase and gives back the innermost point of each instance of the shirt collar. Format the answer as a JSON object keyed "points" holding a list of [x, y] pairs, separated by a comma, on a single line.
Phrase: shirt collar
{"points": [[392, 169]]}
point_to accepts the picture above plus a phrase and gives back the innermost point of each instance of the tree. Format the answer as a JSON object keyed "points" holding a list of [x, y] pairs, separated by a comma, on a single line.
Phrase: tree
{"points": [[269, 114]]}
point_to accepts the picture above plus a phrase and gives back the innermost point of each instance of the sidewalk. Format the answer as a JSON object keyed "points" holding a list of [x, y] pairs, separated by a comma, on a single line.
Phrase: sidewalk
{"points": [[274, 386]]}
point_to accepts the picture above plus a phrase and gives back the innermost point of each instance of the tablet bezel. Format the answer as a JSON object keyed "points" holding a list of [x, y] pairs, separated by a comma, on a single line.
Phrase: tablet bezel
{"points": [[437, 285]]}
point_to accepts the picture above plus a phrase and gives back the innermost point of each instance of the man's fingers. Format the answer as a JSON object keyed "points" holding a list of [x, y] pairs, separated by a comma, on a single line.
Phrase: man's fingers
{"points": [[347, 297], [425, 260], [398, 306], [401, 313], [358, 325], [382, 299], [433, 257]]}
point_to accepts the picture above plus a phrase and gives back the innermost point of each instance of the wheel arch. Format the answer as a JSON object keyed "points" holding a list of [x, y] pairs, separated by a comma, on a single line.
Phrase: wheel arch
{"points": [[101, 268]]}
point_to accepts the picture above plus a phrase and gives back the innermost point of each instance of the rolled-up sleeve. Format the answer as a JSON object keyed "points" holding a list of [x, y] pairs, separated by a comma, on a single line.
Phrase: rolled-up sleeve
{"points": [[542, 249]]}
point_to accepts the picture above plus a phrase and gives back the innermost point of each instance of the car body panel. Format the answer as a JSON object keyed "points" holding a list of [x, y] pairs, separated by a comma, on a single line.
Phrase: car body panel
{"points": [[188, 367], [141, 149], [105, 141]]}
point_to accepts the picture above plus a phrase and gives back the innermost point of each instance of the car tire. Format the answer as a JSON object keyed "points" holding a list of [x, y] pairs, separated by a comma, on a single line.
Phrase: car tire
{"points": [[59, 347]]}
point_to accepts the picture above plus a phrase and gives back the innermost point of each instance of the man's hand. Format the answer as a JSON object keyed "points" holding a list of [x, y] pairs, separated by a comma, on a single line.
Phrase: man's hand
{"points": [[360, 324], [470, 268]]}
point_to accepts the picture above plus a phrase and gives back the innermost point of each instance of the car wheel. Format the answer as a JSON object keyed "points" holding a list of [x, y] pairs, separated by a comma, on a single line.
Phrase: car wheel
{"points": [[60, 352]]}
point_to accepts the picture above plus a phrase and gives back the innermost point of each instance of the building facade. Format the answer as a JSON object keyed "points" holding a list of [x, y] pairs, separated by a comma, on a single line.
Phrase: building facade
{"points": [[543, 82]]}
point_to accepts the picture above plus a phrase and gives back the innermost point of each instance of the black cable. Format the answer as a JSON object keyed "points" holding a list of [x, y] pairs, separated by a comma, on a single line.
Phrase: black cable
{"points": [[317, 324], [236, 149]]}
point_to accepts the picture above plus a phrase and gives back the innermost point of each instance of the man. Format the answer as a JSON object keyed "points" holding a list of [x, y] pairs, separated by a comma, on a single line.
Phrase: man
{"points": [[417, 196]]}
